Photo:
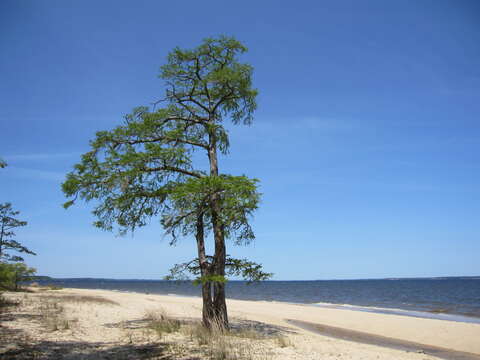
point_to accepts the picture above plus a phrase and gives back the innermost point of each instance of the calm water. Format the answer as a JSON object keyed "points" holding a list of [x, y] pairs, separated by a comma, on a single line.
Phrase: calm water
{"points": [[439, 298]]}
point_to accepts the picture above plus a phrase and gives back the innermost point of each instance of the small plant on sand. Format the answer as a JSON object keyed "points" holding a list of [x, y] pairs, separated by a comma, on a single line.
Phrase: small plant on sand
{"points": [[283, 341], [161, 323], [53, 316], [53, 287], [199, 333]]}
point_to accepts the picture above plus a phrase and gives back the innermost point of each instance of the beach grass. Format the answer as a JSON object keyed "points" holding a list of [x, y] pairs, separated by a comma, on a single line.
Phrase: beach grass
{"points": [[52, 315], [85, 299], [161, 323]]}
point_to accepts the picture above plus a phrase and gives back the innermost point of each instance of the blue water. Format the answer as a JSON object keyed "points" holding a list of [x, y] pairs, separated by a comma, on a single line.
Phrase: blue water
{"points": [[440, 298]]}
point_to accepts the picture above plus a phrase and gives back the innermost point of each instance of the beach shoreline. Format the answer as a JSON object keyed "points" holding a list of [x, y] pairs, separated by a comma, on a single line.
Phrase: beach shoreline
{"points": [[445, 299], [445, 316], [96, 324]]}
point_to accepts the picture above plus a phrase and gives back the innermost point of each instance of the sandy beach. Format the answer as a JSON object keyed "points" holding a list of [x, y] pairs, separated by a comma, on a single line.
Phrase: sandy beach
{"points": [[101, 324]]}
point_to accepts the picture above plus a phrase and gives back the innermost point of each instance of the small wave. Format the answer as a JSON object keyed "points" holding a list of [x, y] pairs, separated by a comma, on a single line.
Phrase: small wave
{"points": [[439, 311], [439, 314]]}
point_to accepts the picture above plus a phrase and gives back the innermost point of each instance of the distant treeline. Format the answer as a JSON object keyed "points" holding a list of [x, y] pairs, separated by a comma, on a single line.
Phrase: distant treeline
{"points": [[40, 278]]}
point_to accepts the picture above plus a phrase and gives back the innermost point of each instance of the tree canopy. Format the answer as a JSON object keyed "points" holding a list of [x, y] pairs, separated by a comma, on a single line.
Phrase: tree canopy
{"points": [[145, 167]]}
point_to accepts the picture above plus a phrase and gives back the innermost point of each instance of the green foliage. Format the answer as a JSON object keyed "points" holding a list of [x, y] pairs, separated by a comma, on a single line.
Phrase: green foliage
{"points": [[212, 76], [237, 197], [247, 270], [210, 278], [8, 223], [132, 170], [13, 274]]}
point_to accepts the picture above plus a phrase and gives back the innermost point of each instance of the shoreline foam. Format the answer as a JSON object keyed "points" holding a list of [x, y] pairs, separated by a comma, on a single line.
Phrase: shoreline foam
{"points": [[404, 312], [446, 316]]}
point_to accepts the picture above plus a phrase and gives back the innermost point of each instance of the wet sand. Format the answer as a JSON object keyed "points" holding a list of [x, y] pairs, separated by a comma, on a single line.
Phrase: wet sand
{"points": [[365, 338]]}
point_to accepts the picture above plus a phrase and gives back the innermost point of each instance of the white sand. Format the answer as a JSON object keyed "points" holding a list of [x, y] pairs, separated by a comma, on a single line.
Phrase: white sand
{"points": [[95, 322]]}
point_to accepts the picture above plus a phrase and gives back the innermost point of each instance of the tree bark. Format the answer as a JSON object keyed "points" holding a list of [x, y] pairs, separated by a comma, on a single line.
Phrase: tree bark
{"points": [[208, 312], [219, 304]]}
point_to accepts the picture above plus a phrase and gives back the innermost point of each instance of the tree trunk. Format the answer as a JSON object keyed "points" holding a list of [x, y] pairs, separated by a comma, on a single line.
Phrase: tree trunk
{"points": [[218, 265], [219, 269], [219, 303], [220, 306], [208, 312]]}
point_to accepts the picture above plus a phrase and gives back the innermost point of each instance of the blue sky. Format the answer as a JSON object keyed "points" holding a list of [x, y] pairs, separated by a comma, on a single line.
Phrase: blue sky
{"points": [[366, 139]]}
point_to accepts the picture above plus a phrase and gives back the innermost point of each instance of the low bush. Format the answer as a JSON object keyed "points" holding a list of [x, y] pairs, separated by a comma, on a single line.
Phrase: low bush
{"points": [[161, 323], [13, 274]]}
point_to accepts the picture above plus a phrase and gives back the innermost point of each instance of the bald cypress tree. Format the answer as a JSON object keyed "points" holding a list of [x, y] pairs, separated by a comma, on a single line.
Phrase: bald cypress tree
{"points": [[144, 168]]}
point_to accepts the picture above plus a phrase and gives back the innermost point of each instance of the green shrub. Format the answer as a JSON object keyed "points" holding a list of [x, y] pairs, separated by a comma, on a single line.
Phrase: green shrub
{"points": [[161, 323], [13, 274]]}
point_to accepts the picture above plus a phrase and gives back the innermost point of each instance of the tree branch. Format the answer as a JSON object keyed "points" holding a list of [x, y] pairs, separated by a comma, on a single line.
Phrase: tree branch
{"points": [[172, 168], [160, 138]]}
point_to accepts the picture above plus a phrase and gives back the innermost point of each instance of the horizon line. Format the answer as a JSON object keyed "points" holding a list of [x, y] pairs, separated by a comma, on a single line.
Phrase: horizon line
{"points": [[349, 279]]}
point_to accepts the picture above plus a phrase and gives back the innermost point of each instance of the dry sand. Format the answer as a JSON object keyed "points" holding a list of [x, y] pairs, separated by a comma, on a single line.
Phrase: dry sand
{"points": [[103, 327]]}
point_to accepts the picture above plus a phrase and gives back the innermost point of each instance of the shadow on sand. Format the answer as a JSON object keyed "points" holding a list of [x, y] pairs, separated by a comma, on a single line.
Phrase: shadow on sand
{"points": [[86, 351], [15, 344], [236, 325]]}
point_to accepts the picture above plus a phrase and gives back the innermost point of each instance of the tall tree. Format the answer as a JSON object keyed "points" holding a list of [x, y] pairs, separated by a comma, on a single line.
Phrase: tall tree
{"points": [[144, 167], [8, 223]]}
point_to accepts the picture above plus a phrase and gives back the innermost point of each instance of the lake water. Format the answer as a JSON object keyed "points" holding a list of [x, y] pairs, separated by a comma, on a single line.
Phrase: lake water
{"points": [[447, 298]]}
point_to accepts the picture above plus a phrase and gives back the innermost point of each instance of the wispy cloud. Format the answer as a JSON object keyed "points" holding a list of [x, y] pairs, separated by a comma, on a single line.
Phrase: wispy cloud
{"points": [[35, 174]]}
